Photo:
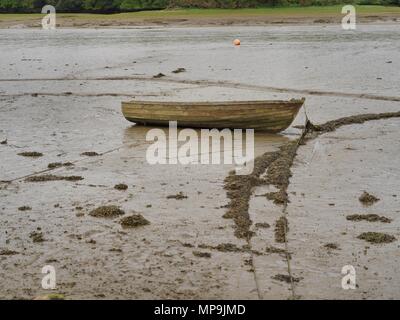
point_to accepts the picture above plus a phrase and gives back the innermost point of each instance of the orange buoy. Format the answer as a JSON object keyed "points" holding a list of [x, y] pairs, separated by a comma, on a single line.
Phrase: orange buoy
{"points": [[236, 42]]}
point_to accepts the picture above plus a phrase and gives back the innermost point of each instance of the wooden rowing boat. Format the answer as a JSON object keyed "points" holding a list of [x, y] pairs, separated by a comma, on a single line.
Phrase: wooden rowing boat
{"points": [[272, 116]]}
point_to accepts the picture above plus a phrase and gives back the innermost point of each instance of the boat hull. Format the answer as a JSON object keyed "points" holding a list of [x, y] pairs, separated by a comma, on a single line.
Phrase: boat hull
{"points": [[271, 116]]}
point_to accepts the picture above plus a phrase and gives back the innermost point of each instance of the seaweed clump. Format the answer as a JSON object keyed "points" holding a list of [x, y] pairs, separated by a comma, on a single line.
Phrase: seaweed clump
{"points": [[159, 75], [7, 252], [223, 247], [54, 165], [52, 177], [263, 225], [179, 70], [368, 217], [134, 221], [90, 154], [121, 186], [229, 247], [106, 212], [333, 246], [32, 154], [202, 254], [376, 237], [279, 172], [368, 199], [281, 228], [36, 236], [239, 188], [178, 196], [285, 278], [279, 197], [24, 208]]}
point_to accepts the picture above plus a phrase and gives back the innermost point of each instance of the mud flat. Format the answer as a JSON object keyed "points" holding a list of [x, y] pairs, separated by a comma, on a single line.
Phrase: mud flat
{"points": [[178, 243]]}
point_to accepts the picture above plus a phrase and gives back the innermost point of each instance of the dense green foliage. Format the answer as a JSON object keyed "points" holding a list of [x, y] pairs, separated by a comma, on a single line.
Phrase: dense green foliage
{"points": [[129, 5]]}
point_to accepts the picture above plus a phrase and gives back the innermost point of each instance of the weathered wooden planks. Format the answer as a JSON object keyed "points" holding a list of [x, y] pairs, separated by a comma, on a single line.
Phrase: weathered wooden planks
{"points": [[272, 116]]}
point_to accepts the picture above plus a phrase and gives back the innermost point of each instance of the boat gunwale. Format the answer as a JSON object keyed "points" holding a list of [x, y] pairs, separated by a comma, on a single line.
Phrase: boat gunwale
{"points": [[217, 103]]}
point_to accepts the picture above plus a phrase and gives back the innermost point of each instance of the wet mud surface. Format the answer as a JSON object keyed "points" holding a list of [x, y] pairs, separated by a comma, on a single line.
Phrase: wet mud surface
{"points": [[288, 219]]}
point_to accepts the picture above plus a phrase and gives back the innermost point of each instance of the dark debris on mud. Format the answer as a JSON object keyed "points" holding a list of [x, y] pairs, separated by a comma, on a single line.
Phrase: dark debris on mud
{"points": [[332, 246], [179, 70], [133, 221], [202, 254], [229, 247], [178, 196], [36, 236], [106, 212], [24, 208], [32, 154], [239, 187], [281, 229], [121, 186], [271, 249], [368, 217], [55, 165], [285, 278], [223, 247], [279, 197], [7, 252], [376, 237], [51, 177], [232, 248], [90, 154], [262, 225], [368, 199], [159, 75]]}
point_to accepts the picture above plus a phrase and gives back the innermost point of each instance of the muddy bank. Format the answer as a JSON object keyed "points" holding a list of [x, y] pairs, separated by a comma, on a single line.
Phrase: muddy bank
{"points": [[240, 19]]}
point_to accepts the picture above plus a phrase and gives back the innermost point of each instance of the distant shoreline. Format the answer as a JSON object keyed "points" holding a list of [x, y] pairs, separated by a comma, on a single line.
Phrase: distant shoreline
{"points": [[207, 17]]}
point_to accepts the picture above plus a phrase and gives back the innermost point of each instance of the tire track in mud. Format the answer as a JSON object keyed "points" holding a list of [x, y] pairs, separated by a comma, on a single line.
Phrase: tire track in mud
{"points": [[220, 83], [277, 167]]}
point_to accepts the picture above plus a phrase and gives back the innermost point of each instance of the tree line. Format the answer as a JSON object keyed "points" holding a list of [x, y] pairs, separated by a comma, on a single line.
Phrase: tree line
{"points": [[110, 6]]}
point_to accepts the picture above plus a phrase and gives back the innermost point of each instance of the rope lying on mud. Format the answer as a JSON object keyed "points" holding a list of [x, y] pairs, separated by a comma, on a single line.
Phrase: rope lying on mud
{"points": [[277, 167]]}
